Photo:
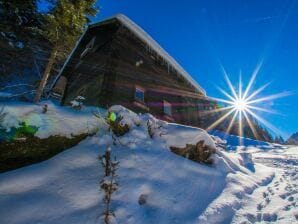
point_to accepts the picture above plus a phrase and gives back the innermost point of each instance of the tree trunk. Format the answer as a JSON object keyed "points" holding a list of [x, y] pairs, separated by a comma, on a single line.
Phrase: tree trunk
{"points": [[45, 75]]}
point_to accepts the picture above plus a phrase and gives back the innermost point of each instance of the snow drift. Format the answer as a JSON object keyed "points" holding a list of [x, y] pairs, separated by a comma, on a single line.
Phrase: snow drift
{"points": [[63, 121]]}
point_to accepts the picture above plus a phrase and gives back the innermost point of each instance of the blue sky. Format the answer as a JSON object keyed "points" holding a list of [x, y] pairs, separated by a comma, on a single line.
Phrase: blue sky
{"points": [[238, 34]]}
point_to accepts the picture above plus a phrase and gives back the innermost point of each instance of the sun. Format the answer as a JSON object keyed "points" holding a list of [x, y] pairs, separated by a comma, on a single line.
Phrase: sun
{"points": [[242, 104]]}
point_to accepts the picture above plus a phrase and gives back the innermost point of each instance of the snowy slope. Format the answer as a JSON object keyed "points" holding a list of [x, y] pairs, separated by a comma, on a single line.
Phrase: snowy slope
{"points": [[65, 188]]}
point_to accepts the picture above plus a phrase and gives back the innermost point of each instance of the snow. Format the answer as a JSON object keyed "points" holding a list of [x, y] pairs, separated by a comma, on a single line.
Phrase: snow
{"points": [[154, 184], [77, 102], [233, 141], [5, 95], [63, 121], [276, 201]]}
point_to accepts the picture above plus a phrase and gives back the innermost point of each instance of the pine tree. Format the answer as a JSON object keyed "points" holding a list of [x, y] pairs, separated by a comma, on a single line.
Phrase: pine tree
{"points": [[20, 25], [65, 22], [281, 140], [276, 140]]}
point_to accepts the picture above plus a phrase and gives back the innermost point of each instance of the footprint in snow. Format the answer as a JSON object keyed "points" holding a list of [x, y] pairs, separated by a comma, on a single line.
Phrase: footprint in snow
{"points": [[239, 195], [260, 206], [251, 218], [270, 190], [283, 196], [287, 208], [259, 217], [267, 200], [269, 217], [288, 189]]}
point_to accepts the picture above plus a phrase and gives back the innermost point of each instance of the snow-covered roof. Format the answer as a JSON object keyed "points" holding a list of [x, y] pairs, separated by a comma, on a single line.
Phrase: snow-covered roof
{"points": [[138, 31]]}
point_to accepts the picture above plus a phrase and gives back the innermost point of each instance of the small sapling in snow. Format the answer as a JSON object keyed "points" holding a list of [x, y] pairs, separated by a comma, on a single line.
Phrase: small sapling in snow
{"points": [[109, 182]]}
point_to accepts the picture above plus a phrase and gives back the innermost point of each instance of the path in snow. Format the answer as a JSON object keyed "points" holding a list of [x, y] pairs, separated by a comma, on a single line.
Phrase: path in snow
{"points": [[277, 201]]}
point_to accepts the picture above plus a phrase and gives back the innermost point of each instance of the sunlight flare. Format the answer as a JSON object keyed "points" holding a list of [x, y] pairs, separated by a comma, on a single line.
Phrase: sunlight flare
{"points": [[241, 103]]}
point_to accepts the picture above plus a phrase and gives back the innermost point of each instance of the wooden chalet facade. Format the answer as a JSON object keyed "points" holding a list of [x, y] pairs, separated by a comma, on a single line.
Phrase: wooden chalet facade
{"points": [[116, 62]]}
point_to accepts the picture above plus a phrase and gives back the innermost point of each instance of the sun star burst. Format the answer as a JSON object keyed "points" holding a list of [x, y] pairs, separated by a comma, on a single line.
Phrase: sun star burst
{"points": [[243, 105], [240, 104]]}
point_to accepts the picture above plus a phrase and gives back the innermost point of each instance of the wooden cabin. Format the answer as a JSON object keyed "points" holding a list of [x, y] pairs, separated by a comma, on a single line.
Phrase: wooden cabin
{"points": [[117, 62]]}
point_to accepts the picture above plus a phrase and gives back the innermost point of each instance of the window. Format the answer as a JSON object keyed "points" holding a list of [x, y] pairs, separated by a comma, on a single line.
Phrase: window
{"points": [[89, 46], [140, 94], [167, 108]]}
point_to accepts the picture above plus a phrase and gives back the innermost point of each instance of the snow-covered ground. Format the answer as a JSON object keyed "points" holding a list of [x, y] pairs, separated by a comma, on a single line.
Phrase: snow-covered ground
{"points": [[66, 189], [63, 121], [233, 141], [278, 200]]}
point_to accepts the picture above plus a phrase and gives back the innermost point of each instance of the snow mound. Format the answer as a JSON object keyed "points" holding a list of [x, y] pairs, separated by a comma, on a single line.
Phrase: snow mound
{"points": [[128, 117], [63, 121], [169, 134]]}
